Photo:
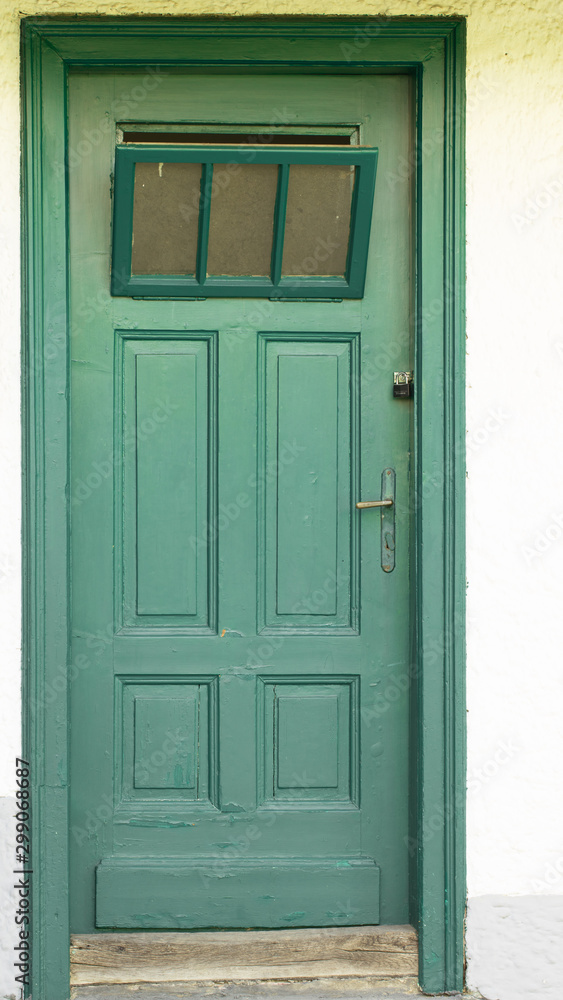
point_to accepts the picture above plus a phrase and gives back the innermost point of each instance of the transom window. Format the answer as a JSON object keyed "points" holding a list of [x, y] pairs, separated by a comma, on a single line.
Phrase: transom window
{"points": [[284, 221]]}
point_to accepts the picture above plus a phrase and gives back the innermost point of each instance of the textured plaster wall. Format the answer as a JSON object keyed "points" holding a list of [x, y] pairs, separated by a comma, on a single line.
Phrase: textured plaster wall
{"points": [[515, 471]]}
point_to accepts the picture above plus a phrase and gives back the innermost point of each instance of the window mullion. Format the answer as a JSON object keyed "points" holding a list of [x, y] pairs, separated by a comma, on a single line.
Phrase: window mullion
{"points": [[279, 222], [204, 216]]}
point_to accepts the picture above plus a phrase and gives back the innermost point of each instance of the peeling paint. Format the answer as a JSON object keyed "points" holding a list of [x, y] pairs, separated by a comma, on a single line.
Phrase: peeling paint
{"points": [[157, 823]]}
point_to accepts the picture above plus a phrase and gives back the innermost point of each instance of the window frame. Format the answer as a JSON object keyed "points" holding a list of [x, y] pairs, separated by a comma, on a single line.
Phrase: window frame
{"points": [[123, 283]]}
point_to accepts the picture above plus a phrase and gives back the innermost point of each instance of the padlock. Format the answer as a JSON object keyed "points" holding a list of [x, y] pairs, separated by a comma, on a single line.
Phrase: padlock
{"points": [[403, 385]]}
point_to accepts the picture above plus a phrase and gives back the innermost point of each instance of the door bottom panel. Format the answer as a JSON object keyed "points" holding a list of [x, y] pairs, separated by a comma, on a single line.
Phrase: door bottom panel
{"points": [[261, 892]]}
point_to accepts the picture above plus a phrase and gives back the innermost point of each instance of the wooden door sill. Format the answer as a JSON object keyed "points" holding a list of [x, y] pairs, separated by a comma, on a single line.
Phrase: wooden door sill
{"points": [[236, 956]]}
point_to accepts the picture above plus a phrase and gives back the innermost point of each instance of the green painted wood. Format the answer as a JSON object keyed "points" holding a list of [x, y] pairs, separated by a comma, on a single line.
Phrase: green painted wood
{"points": [[307, 405], [311, 742], [171, 722], [311, 725], [165, 446], [454, 571], [45, 632], [165, 485], [296, 389], [279, 222], [306, 501], [50, 47], [141, 894], [439, 840], [203, 220], [165, 746]]}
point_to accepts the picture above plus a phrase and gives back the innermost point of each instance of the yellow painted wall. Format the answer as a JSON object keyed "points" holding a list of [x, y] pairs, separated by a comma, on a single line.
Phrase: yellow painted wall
{"points": [[515, 446]]}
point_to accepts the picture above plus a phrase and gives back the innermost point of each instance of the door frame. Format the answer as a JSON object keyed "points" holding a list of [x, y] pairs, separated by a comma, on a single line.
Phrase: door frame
{"points": [[432, 50]]}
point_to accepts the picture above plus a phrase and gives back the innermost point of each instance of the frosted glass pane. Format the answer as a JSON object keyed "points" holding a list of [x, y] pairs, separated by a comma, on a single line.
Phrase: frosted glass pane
{"points": [[317, 226], [241, 224], [165, 218]]}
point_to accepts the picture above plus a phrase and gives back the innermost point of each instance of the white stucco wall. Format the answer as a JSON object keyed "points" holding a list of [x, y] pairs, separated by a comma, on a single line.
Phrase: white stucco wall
{"points": [[515, 467]]}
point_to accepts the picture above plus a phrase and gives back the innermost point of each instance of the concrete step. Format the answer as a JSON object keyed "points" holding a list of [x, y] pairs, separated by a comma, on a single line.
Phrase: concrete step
{"points": [[366, 988]]}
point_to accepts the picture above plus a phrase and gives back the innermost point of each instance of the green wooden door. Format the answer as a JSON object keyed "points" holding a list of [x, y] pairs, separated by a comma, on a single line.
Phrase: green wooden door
{"points": [[240, 704]]}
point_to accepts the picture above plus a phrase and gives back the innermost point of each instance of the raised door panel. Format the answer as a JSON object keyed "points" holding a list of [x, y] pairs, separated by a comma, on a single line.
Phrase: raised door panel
{"points": [[165, 740], [310, 742], [307, 415], [165, 498]]}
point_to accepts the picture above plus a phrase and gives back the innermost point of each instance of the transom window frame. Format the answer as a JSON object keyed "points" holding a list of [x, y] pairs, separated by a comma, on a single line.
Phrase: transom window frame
{"points": [[124, 283]]}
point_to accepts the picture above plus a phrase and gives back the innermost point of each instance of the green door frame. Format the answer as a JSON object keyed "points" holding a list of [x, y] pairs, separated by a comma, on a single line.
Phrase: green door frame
{"points": [[432, 50]]}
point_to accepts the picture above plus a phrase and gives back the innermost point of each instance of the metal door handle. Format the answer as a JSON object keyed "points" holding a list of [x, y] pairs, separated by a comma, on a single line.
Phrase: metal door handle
{"points": [[374, 503], [387, 519]]}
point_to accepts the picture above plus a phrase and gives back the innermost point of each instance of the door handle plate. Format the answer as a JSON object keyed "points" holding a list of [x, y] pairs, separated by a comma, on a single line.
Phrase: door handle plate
{"points": [[387, 504], [388, 521]]}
